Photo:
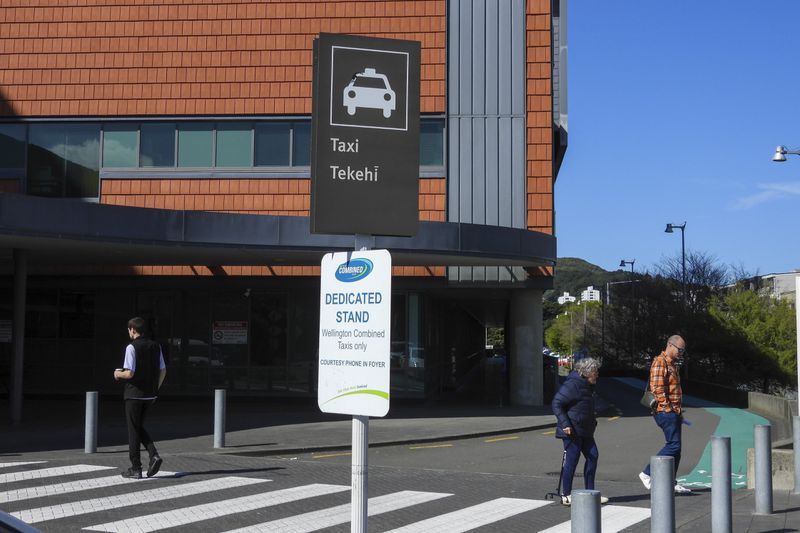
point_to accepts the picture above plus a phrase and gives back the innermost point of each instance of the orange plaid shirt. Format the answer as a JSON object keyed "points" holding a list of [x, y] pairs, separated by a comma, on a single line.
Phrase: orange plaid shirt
{"points": [[665, 382]]}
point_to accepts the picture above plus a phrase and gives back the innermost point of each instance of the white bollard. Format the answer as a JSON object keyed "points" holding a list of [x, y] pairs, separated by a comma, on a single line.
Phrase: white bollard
{"points": [[219, 418], [721, 511], [662, 494]]}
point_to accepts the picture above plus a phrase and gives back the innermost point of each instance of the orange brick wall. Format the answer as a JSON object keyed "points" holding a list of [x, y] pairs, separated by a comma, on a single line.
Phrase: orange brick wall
{"points": [[262, 197], [9, 185], [192, 57], [539, 117], [258, 197]]}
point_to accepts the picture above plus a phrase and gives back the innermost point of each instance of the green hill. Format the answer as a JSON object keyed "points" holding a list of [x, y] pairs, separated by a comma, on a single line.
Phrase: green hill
{"points": [[573, 275]]}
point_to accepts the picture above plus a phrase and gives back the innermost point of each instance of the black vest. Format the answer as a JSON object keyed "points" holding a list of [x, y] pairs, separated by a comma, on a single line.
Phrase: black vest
{"points": [[144, 383]]}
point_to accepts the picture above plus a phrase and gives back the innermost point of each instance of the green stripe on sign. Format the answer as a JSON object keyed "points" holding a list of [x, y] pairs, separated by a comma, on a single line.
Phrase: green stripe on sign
{"points": [[379, 393]]}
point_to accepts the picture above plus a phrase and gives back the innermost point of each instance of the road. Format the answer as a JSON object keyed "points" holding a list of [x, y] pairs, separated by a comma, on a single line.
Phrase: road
{"points": [[485, 484]]}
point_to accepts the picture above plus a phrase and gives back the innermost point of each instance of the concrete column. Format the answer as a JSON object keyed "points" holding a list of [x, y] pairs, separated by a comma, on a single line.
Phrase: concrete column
{"points": [[18, 333], [585, 512], [90, 427], [220, 409], [525, 351], [763, 463]]}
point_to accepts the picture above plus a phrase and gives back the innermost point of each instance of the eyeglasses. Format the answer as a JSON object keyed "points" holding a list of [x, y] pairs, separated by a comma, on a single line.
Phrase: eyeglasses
{"points": [[681, 351]]}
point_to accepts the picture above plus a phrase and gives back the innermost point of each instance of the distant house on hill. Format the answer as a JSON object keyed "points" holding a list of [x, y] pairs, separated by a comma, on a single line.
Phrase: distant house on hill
{"points": [[779, 286]]}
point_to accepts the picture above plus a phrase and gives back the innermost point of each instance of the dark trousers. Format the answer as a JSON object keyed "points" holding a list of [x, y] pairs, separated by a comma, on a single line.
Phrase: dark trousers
{"points": [[135, 412], [670, 424], [574, 447]]}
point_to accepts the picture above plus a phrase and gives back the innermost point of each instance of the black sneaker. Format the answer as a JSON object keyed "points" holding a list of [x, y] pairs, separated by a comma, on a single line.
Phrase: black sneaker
{"points": [[132, 473], [155, 465]]}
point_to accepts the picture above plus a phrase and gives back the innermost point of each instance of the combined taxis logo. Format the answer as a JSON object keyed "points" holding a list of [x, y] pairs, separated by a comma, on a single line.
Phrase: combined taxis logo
{"points": [[354, 270]]}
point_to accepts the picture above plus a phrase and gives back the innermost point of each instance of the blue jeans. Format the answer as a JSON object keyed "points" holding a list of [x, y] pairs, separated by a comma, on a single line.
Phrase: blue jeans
{"points": [[670, 424], [573, 449]]}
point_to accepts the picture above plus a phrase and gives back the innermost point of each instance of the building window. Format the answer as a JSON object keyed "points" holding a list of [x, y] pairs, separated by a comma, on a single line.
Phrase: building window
{"points": [[12, 146], [431, 143], [157, 145], [64, 160], [235, 144], [195, 145], [272, 144], [120, 145]]}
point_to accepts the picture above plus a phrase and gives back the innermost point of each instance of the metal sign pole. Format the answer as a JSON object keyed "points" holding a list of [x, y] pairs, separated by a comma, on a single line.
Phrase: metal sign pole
{"points": [[360, 445]]}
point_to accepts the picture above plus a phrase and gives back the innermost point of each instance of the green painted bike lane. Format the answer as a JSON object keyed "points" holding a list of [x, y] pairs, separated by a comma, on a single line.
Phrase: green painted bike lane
{"points": [[737, 424]]}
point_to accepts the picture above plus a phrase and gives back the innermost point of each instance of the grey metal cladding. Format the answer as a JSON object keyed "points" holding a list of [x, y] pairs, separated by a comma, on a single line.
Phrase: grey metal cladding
{"points": [[486, 121], [486, 112]]}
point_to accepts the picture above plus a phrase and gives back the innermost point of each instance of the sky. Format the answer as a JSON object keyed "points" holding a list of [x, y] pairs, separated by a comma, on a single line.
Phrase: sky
{"points": [[675, 110]]}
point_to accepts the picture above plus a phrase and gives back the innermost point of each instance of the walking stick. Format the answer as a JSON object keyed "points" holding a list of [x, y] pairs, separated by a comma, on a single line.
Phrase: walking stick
{"points": [[557, 493]]}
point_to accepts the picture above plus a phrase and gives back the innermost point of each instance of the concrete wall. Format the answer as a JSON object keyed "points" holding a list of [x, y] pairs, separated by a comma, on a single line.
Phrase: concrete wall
{"points": [[527, 335]]}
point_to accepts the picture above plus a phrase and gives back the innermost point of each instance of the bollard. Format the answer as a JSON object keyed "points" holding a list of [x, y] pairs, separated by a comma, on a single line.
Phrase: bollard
{"points": [[796, 443], [763, 444], [721, 512], [90, 428], [585, 512], [219, 418], [662, 494]]}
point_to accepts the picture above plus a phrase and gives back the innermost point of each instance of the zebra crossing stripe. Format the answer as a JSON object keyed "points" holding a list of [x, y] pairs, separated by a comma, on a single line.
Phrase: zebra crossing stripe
{"points": [[473, 517], [72, 486], [316, 520], [53, 512], [613, 518], [20, 463], [50, 472], [206, 511]]}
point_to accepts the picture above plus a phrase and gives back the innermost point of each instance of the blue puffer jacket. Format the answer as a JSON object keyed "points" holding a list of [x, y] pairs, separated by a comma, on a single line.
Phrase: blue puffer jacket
{"points": [[573, 406]]}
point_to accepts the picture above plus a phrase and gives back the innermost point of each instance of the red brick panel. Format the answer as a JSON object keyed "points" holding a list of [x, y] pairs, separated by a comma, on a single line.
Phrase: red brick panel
{"points": [[192, 57], [9, 185], [539, 117]]}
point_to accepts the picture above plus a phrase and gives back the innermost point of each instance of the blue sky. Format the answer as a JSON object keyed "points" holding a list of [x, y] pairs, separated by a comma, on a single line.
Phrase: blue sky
{"points": [[675, 110]]}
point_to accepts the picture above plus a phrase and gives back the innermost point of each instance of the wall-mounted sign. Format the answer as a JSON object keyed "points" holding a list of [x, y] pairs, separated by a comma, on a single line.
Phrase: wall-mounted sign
{"points": [[365, 138], [229, 332], [354, 333]]}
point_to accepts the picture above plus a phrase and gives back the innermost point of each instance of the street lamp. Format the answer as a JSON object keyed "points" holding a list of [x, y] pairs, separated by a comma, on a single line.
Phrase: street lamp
{"points": [[623, 263], [682, 227], [780, 154]]}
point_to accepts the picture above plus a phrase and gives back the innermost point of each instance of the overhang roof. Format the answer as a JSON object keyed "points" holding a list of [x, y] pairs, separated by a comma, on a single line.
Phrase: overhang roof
{"points": [[64, 231]]}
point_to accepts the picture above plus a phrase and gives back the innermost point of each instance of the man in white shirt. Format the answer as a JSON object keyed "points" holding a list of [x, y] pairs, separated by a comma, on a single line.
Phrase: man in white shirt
{"points": [[143, 373]]}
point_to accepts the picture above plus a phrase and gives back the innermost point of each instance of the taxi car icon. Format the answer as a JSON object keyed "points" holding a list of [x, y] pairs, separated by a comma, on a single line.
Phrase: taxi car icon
{"points": [[369, 90]]}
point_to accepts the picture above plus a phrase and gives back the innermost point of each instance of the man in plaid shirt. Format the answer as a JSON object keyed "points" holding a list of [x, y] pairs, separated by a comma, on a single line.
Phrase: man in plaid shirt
{"points": [[665, 383]]}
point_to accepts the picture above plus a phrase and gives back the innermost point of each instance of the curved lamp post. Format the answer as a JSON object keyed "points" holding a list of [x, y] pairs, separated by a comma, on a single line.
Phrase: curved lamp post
{"points": [[781, 152], [682, 227]]}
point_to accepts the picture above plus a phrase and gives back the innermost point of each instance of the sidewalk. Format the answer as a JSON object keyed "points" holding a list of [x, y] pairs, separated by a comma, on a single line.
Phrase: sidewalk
{"points": [[270, 427], [53, 430]]}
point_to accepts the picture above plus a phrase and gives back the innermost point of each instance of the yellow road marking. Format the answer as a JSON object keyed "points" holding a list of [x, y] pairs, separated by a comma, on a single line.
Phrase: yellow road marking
{"points": [[549, 432], [612, 418], [500, 438], [430, 446], [331, 455]]}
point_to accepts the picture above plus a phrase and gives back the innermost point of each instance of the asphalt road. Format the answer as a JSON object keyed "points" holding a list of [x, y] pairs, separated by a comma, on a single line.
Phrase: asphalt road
{"points": [[496, 484]]}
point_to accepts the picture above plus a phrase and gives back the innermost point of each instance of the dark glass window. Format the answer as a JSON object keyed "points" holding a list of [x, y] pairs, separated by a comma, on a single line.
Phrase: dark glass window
{"points": [[301, 144], [41, 316], [12, 146], [157, 145], [64, 160], [120, 145], [234, 144], [268, 313], [195, 142], [431, 143], [76, 315], [272, 144]]}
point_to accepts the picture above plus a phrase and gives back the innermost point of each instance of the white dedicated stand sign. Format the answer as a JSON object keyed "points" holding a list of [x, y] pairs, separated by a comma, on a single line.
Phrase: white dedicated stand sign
{"points": [[354, 333]]}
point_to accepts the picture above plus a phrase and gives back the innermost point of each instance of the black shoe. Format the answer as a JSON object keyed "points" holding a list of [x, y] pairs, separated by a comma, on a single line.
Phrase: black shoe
{"points": [[155, 465], [132, 473]]}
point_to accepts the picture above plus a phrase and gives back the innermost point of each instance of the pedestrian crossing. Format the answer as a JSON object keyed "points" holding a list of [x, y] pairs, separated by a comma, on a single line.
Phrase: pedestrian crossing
{"points": [[95, 494]]}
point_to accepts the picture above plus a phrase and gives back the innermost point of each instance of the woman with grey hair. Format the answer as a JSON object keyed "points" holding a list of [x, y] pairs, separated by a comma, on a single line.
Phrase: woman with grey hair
{"points": [[573, 406]]}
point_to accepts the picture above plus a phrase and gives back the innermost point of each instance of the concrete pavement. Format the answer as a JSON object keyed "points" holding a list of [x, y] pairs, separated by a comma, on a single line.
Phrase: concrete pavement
{"points": [[53, 430]]}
